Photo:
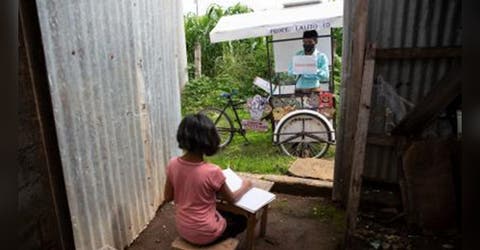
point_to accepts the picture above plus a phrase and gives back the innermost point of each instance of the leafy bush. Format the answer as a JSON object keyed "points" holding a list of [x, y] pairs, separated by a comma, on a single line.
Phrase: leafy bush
{"points": [[197, 29], [200, 93], [232, 65], [226, 66]]}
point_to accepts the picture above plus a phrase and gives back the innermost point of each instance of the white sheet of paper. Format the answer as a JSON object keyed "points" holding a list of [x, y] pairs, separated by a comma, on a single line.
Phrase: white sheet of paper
{"points": [[277, 89], [304, 65], [262, 83], [255, 199], [284, 89], [234, 182]]}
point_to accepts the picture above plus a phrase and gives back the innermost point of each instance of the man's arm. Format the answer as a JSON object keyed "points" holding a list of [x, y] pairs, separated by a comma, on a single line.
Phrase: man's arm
{"points": [[290, 68], [323, 73]]}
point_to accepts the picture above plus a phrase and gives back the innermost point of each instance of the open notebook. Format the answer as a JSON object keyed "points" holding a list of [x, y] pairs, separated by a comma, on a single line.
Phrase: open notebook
{"points": [[253, 199]]}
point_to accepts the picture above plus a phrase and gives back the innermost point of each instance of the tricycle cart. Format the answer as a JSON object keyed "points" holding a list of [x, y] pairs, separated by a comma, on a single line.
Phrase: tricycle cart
{"points": [[302, 123]]}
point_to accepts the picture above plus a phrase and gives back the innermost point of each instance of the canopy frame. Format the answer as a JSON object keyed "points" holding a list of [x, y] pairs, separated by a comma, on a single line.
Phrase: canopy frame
{"points": [[278, 21]]}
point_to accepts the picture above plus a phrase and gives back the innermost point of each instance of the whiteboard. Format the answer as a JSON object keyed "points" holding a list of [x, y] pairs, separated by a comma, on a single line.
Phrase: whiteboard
{"points": [[283, 52]]}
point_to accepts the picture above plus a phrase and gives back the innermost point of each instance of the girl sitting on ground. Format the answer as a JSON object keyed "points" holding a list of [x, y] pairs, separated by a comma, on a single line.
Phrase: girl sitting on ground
{"points": [[192, 183]]}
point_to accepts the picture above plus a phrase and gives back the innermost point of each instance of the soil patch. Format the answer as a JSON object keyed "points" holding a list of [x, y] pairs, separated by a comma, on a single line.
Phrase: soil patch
{"points": [[294, 222]]}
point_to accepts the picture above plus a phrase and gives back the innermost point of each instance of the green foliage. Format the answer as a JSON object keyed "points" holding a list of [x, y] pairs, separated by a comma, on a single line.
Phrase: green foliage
{"points": [[206, 92], [337, 74], [225, 66], [337, 67], [260, 156], [329, 213], [197, 30], [337, 34], [233, 65]]}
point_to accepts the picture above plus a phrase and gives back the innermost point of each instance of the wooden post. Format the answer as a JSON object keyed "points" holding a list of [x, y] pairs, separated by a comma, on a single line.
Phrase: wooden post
{"points": [[359, 145], [400, 148], [251, 223], [198, 59], [33, 79], [263, 222], [350, 99]]}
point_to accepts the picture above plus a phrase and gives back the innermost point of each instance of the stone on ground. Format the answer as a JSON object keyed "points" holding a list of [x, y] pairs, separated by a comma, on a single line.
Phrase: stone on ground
{"points": [[320, 169]]}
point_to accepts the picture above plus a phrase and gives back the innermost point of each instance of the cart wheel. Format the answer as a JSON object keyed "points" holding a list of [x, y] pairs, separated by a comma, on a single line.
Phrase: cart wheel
{"points": [[223, 124], [304, 135]]}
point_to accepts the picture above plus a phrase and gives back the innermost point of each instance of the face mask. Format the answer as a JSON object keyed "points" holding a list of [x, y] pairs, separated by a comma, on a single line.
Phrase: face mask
{"points": [[308, 48]]}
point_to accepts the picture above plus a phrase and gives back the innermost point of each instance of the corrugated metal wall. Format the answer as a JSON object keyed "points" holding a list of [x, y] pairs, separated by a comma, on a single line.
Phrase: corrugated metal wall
{"points": [[403, 24], [113, 69], [407, 24]]}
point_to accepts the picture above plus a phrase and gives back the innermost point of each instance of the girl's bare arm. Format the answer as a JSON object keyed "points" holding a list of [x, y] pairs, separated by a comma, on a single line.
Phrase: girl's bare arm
{"points": [[168, 193], [233, 197]]}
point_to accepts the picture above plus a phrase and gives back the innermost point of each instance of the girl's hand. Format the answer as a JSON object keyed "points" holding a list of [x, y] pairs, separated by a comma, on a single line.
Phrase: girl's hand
{"points": [[233, 197], [248, 184]]}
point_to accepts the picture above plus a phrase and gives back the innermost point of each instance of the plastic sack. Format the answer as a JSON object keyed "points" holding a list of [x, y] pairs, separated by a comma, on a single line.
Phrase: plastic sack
{"points": [[397, 106]]}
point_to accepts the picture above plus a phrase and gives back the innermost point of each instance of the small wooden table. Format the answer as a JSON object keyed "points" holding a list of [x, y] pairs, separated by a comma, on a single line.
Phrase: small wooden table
{"points": [[252, 218]]}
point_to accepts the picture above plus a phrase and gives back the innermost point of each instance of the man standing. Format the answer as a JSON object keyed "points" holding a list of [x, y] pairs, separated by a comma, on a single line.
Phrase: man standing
{"points": [[311, 82]]}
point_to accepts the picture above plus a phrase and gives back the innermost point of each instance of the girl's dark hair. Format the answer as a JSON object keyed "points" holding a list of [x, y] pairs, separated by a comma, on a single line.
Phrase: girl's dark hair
{"points": [[197, 134]]}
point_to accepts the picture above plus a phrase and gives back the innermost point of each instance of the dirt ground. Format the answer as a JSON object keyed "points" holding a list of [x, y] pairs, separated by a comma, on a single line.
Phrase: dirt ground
{"points": [[294, 222]]}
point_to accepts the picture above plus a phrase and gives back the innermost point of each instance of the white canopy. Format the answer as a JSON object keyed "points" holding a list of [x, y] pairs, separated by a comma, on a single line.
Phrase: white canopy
{"points": [[273, 22]]}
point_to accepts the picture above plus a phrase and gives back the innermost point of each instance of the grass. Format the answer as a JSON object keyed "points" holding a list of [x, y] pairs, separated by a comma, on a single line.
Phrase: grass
{"points": [[258, 157], [330, 214]]}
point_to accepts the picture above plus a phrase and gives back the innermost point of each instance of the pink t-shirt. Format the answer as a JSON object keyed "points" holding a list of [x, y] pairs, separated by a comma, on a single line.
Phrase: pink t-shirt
{"points": [[194, 192]]}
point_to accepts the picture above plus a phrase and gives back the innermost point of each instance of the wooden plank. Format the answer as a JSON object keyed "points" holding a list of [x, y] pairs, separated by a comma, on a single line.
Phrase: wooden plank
{"points": [[30, 37], [198, 60], [418, 53], [434, 102], [262, 184], [400, 149], [359, 144], [251, 223], [263, 222], [350, 100]]}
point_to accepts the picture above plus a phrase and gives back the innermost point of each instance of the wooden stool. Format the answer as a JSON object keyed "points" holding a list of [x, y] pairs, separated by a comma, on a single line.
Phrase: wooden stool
{"points": [[228, 244]]}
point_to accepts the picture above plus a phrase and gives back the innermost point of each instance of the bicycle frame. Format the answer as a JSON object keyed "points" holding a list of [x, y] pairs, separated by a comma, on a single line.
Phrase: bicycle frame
{"points": [[234, 107]]}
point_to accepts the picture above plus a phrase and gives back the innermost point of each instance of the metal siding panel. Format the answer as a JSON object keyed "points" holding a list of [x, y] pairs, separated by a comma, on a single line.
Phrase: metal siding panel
{"points": [[106, 61], [405, 24]]}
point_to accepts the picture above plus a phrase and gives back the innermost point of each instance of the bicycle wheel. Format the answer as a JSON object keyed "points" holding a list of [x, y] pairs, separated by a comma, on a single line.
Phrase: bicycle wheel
{"points": [[222, 123], [304, 135]]}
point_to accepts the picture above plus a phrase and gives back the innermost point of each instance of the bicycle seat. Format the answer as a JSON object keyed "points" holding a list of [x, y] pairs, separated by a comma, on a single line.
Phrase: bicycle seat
{"points": [[228, 95]]}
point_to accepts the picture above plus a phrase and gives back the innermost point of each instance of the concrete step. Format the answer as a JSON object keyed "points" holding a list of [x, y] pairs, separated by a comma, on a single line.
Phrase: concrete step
{"points": [[295, 185], [320, 169]]}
